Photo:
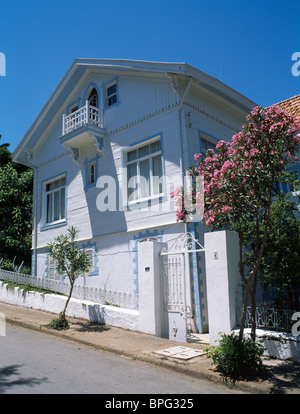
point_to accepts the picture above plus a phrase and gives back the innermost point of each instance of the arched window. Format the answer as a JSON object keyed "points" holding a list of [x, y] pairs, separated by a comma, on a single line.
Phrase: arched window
{"points": [[93, 98]]}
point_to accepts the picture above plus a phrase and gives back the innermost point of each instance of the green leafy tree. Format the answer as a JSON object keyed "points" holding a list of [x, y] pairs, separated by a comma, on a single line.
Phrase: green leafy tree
{"points": [[5, 155], [280, 266], [239, 181], [15, 213], [72, 262]]}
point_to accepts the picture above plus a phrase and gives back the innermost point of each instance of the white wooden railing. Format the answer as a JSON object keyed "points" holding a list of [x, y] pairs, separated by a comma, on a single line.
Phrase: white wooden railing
{"points": [[98, 295], [88, 114]]}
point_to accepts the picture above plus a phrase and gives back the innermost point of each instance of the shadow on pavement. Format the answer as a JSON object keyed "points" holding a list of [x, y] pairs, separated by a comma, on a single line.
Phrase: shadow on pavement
{"points": [[7, 380], [283, 376]]}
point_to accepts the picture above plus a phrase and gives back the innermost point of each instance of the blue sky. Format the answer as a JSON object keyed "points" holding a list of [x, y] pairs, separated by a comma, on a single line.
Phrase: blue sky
{"points": [[247, 45]]}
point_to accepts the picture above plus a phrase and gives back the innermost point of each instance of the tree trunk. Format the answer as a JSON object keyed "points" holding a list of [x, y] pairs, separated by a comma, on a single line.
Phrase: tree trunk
{"points": [[252, 274], [245, 304], [68, 300], [253, 311]]}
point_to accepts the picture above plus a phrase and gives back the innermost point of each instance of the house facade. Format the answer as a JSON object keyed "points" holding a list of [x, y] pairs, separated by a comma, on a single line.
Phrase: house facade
{"points": [[113, 141]]}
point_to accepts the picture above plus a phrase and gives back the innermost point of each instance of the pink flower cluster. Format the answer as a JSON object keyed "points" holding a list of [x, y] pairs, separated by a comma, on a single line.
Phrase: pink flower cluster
{"points": [[239, 176]]}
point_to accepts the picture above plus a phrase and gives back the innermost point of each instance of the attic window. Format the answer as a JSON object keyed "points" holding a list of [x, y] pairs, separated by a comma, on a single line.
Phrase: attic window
{"points": [[111, 94]]}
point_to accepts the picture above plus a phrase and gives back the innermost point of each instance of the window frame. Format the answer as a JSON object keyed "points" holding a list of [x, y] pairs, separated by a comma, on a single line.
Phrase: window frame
{"points": [[137, 189], [91, 175], [88, 163], [52, 269], [45, 193], [113, 82], [93, 248], [208, 138], [95, 96]]}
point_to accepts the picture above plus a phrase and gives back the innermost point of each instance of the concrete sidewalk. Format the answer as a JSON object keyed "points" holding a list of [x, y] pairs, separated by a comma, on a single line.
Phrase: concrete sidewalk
{"points": [[283, 377]]}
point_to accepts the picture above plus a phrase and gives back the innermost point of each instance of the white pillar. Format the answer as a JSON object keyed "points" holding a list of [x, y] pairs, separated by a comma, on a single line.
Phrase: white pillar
{"points": [[2, 324], [150, 287], [223, 281]]}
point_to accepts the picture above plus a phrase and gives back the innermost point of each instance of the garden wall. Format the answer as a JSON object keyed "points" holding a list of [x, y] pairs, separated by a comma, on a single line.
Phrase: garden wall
{"points": [[103, 314]]}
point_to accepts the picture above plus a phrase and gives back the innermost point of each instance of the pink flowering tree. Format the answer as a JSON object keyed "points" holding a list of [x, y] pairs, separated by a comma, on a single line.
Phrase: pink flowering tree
{"points": [[239, 183]]}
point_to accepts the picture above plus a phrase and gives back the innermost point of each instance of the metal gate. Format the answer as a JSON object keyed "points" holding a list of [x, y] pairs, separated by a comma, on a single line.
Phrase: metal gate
{"points": [[177, 294]]}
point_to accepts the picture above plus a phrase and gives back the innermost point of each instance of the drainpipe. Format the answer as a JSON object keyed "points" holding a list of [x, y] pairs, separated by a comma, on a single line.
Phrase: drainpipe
{"points": [[187, 261], [34, 215], [181, 136]]}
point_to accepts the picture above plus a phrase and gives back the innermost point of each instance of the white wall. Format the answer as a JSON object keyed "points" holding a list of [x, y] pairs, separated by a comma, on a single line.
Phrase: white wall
{"points": [[222, 281], [104, 314]]}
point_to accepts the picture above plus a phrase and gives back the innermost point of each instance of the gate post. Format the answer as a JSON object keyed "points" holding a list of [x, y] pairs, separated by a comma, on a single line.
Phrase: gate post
{"points": [[222, 281], [150, 287]]}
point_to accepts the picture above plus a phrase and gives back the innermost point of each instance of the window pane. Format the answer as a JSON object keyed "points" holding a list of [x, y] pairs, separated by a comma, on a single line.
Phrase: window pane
{"points": [[62, 203], [56, 183], [132, 155], [157, 174], [49, 208], [91, 173], [132, 182], [112, 100], [144, 151], [55, 200], [112, 89], [155, 146], [56, 205], [111, 95], [144, 178], [205, 145]]}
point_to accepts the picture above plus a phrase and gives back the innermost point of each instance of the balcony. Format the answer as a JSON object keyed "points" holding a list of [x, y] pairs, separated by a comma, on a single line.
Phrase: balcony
{"points": [[82, 128]]}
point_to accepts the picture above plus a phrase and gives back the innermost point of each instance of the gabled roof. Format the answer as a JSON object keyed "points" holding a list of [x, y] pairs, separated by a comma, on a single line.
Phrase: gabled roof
{"points": [[292, 106], [81, 67]]}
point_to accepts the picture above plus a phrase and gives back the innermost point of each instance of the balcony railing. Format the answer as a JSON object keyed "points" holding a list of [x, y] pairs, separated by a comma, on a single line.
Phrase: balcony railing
{"points": [[88, 114]]}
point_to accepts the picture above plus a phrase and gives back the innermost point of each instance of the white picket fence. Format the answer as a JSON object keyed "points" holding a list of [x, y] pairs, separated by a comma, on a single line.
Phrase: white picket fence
{"points": [[98, 295]]}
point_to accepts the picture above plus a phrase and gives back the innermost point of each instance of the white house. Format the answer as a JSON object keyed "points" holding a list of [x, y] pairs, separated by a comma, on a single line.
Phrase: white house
{"points": [[110, 145]]}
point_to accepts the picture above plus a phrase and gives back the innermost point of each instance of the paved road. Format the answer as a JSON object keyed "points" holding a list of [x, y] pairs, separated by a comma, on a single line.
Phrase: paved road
{"points": [[33, 362]]}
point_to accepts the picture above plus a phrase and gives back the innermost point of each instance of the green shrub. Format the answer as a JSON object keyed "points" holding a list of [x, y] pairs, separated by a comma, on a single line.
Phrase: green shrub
{"points": [[237, 358], [60, 323], [6, 264]]}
